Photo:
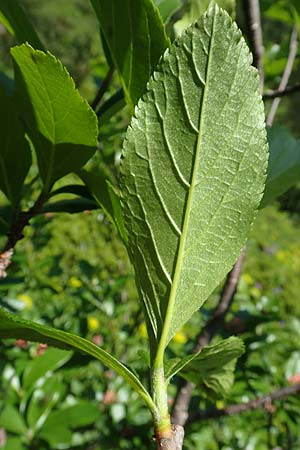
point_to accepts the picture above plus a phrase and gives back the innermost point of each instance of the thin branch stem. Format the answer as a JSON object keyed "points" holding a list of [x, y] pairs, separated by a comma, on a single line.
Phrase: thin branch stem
{"points": [[286, 74], [103, 88], [253, 19], [16, 233], [180, 409], [264, 401], [173, 442], [269, 95]]}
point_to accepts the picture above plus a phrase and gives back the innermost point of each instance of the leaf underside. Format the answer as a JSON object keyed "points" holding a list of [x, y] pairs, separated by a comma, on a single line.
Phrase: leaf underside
{"points": [[193, 170]]}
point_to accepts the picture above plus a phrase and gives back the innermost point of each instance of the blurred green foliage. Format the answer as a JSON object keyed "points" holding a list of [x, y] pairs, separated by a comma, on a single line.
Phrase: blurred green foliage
{"points": [[71, 271]]}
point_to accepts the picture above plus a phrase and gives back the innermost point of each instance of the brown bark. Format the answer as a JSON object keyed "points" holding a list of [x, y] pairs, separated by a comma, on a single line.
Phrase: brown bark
{"points": [[286, 74], [265, 401], [171, 441]]}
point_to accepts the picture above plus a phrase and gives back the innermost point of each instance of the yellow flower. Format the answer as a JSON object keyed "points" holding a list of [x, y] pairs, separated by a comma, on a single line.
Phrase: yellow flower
{"points": [[281, 256], [26, 299], [143, 330], [93, 323], [247, 278], [220, 404], [75, 282], [255, 292], [180, 338]]}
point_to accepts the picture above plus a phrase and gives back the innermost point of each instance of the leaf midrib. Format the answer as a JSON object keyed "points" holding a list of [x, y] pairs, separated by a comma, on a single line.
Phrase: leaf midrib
{"points": [[178, 269]]}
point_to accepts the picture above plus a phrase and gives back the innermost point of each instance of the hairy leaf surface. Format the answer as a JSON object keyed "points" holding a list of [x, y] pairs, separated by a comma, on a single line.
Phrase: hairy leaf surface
{"points": [[193, 170], [135, 35], [17, 23], [61, 124], [12, 326], [15, 156], [284, 164]]}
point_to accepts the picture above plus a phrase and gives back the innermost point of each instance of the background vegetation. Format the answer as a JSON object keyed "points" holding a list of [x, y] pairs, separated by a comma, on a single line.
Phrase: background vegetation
{"points": [[71, 271]]}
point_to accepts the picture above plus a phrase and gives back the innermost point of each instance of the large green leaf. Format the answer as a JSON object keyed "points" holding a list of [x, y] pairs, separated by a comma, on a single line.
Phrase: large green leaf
{"points": [[17, 23], [13, 326], [15, 156], [135, 35], [11, 419], [212, 366], [193, 171], [61, 124], [284, 164]]}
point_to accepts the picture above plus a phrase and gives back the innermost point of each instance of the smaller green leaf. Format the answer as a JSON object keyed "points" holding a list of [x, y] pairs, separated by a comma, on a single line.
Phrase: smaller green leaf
{"points": [[11, 420], [135, 36], [15, 156], [76, 189], [106, 196], [43, 400], [72, 206], [51, 360], [110, 107], [14, 443], [167, 7], [284, 164], [61, 124], [81, 414], [212, 366], [13, 326], [280, 12], [58, 435], [17, 23]]}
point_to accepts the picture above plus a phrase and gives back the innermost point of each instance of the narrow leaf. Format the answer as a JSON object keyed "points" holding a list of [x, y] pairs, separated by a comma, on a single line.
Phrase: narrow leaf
{"points": [[209, 361], [17, 23], [135, 35], [167, 7], [76, 189], [13, 326], [193, 171], [106, 197], [62, 126], [284, 164], [15, 156], [73, 206]]}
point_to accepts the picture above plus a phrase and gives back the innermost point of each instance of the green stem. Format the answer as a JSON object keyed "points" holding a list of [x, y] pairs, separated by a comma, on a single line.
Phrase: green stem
{"points": [[162, 422]]}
